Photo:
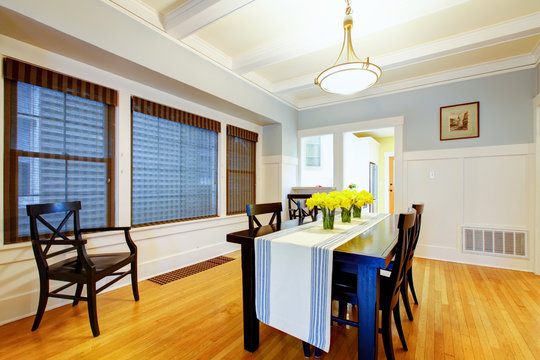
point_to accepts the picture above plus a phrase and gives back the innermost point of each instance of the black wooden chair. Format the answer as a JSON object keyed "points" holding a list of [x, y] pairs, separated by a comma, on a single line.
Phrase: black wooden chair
{"points": [[408, 282], [296, 210], [81, 269], [344, 287], [259, 209]]}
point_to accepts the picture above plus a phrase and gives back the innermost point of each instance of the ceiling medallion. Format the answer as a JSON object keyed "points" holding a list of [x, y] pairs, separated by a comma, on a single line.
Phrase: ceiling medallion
{"points": [[349, 74]]}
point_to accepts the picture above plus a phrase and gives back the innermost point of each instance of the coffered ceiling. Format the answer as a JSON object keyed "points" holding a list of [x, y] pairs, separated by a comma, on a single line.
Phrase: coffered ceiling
{"points": [[282, 45]]}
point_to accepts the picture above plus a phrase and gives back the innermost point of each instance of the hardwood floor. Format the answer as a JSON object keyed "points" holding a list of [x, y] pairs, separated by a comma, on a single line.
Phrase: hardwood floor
{"points": [[465, 312]]}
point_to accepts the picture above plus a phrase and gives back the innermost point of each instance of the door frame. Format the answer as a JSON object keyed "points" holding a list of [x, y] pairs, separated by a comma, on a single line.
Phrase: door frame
{"points": [[338, 131], [387, 156]]}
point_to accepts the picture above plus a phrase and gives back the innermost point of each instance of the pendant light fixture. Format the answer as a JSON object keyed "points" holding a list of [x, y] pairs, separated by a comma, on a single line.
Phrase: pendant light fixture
{"points": [[349, 74]]}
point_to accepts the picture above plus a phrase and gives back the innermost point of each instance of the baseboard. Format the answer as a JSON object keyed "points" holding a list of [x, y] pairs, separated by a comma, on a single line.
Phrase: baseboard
{"points": [[24, 305], [450, 254]]}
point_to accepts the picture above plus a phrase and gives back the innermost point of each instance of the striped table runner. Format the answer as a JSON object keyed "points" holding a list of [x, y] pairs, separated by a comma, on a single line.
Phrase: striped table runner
{"points": [[293, 277]]}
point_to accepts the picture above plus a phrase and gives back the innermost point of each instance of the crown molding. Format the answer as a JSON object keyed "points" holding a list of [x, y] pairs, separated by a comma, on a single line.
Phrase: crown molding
{"points": [[536, 53], [489, 36], [193, 15], [140, 11], [444, 77], [203, 48]]}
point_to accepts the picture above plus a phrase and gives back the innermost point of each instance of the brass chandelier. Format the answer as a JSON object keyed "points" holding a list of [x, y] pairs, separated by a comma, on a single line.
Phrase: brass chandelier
{"points": [[349, 74]]}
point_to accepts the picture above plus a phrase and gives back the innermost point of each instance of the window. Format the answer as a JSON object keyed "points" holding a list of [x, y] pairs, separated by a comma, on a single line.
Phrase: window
{"points": [[241, 146], [59, 148], [313, 151], [317, 160], [174, 164]]}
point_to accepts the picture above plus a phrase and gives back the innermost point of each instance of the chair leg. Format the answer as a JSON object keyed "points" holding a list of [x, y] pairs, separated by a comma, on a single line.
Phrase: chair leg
{"points": [[134, 283], [92, 311], [411, 285], [78, 293], [307, 349], [405, 297], [342, 307], [397, 320], [318, 352], [43, 296], [387, 334]]}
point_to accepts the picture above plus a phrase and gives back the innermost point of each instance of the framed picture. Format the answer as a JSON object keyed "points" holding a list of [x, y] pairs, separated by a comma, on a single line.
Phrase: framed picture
{"points": [[460, 121]]}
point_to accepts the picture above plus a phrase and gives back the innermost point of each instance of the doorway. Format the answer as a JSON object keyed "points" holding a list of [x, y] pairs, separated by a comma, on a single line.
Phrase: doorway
{"points": [[344, 156]]}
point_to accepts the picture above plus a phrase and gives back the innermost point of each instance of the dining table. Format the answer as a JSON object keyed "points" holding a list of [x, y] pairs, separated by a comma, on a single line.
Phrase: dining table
{"points": [[364, 255]]}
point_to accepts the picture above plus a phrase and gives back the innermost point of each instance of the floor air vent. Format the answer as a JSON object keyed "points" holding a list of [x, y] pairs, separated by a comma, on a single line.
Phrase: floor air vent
{"points": [[498, 242]]}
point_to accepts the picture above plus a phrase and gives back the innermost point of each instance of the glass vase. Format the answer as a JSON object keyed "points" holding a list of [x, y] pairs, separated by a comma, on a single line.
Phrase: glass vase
{"points": [[357, 211], [328, 218], [345, 215]]}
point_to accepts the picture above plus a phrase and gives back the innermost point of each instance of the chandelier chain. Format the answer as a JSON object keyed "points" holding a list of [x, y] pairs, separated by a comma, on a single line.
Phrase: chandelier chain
{"points": [[348, 11]]}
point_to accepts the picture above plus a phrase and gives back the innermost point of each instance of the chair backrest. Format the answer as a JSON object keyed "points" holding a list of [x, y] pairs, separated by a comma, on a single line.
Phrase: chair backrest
{"points": [[403, 247], [415, 233], [259, 209], [58, 234], [297, 210], [419, 211]]}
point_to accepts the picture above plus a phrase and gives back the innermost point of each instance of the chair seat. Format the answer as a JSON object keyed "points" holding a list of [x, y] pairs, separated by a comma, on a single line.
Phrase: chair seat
{"points": [[106, 264]]}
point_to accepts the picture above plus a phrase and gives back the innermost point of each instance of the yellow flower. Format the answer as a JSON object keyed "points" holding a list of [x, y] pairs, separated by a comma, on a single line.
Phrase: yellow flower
{"points": [[345, 199]]}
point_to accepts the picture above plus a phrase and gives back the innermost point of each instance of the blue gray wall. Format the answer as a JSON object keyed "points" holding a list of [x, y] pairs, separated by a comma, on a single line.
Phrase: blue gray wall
{"points": [[538, 78], [506, 111]]}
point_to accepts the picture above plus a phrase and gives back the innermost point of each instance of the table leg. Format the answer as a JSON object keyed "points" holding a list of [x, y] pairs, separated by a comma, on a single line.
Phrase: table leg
{"points": [[368, 311], [251, 323]]}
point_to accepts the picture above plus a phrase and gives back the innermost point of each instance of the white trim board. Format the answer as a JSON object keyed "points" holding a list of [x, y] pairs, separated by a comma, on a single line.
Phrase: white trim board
{"points": [[450, 254], [354, 126], [469, 152]]}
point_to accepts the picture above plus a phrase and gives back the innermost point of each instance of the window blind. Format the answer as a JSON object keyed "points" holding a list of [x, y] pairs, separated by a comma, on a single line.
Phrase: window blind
{"points": [[174, 165], [241, 145], [58, 148]]}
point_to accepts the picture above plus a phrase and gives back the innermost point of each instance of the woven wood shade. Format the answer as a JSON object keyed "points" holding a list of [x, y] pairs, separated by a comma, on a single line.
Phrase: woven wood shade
{"points": [[165, 112], [242, 133], [241, 169], [34, 75]]}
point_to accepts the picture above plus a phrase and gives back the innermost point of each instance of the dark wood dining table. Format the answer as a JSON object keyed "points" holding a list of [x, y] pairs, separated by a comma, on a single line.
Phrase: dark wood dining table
{"points": [[364, 255]]}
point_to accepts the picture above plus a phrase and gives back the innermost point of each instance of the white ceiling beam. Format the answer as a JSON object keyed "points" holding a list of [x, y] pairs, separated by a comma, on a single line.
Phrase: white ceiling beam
{"points": [[194, 15], [500, 33], [138, 9], [507, 31]]}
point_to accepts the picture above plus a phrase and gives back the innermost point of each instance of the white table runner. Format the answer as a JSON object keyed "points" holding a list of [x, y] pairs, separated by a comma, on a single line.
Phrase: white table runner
{"points": [[293, 276]]}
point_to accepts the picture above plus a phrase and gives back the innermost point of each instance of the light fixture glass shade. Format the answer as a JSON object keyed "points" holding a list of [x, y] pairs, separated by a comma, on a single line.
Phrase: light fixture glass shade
{"points": [[348, 78], [349, 74]]}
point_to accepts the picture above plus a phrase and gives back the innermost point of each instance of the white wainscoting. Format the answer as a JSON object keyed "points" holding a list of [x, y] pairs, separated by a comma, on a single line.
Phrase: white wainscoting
{"points": [[280, 174], [481, 187]]}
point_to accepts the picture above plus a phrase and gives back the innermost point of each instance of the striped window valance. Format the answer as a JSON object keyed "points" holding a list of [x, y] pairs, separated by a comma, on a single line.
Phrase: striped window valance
{"points": [[242, 133], [35, 75], [165, 112]]}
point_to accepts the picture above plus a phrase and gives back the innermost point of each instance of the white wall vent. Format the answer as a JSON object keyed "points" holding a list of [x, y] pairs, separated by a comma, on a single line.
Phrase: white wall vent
{"points": [[498, 242]]}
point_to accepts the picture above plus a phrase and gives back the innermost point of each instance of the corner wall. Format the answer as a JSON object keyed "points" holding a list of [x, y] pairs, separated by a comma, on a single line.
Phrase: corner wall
{"points": [[487, 181]]}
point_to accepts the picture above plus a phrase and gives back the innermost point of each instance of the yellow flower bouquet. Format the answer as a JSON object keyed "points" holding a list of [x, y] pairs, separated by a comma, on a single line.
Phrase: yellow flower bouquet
{"points": [[347, 200], [362, 198], [328, 204]]}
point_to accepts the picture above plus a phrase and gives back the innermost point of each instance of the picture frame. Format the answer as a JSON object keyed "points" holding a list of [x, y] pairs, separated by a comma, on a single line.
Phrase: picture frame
{"points": [[460, 121]]}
